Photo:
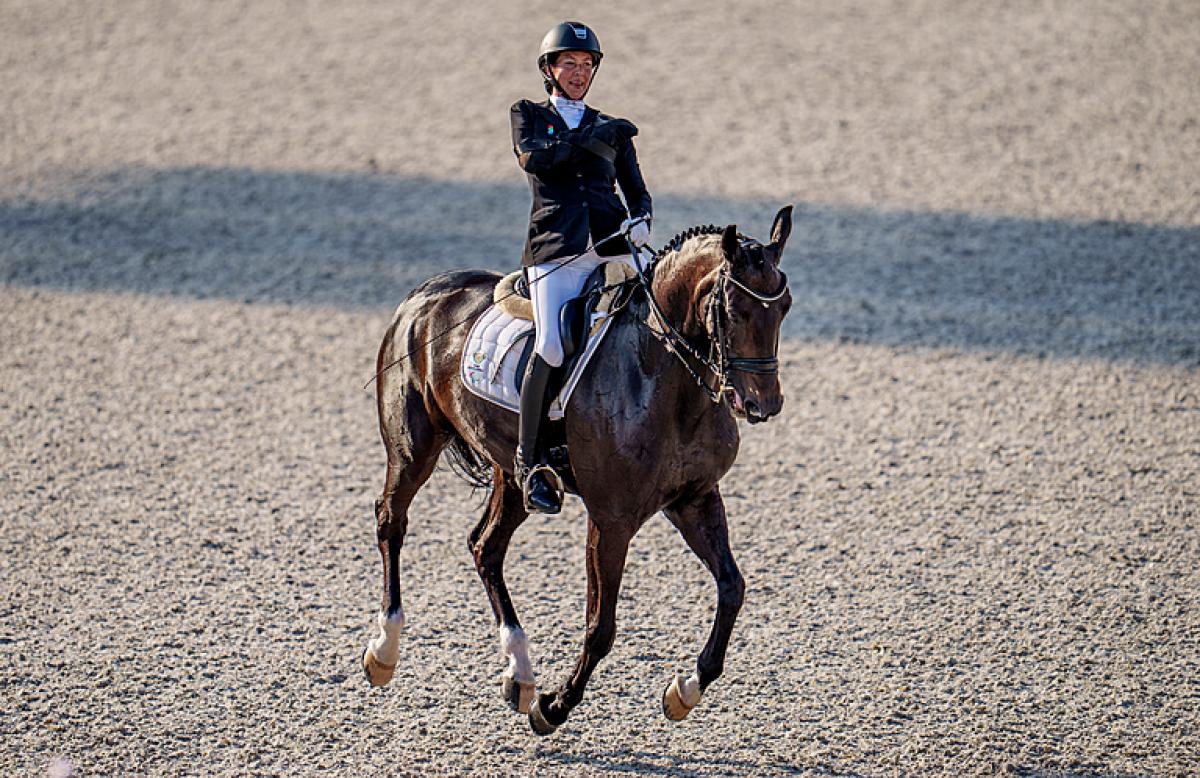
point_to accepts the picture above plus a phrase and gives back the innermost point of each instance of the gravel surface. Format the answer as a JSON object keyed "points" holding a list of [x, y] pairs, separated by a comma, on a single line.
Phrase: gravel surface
{"points": [[970, 540]]}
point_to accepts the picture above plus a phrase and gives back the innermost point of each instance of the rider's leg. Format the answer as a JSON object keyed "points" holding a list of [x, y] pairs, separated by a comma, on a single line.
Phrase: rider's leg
{"points": [[550, 285], [540, 494]]}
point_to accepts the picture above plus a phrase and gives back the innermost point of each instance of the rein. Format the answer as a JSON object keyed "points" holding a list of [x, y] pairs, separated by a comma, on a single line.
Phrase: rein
{"points": [[717, 361]]}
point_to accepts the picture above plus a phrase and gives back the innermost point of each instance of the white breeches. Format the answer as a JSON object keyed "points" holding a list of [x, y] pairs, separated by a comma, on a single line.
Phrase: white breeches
{"points": [[550, 285]]}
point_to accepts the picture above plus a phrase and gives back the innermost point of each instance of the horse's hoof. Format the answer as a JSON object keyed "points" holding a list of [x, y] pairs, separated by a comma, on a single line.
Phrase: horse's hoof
{"points": [[377, 672], [537, 720], [518, 694], [680, 697]]}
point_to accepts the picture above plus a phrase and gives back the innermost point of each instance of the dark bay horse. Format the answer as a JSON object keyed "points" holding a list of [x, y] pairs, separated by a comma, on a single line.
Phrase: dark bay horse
{"points": [[655, 412]]}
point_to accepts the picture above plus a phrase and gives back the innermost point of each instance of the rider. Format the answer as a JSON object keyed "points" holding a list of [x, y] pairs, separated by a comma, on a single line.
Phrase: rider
{"points": [[572, 155]]}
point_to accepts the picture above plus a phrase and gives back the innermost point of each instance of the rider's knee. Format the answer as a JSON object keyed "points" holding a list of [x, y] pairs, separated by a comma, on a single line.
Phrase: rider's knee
{"points": [[549, 347]]}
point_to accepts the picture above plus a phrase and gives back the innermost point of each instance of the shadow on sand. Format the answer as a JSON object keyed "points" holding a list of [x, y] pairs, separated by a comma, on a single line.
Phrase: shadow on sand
{"points": [[1053, 288], [633, 762]]}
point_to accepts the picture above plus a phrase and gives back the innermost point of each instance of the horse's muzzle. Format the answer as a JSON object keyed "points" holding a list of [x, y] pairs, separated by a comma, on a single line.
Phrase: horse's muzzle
{"points": [[753, 409], [755, 414]]}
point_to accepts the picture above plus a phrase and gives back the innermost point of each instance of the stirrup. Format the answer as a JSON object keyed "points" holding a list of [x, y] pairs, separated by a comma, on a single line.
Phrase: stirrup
{"points": [[553, 479]]}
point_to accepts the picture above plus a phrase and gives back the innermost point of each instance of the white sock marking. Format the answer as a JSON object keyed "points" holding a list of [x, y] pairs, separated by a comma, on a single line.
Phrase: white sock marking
{"points": [[689, 690], [515, 647], [386, 646]]}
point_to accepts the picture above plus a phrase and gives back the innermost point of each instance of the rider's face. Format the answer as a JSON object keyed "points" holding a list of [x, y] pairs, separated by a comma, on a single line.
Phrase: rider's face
{"points": [[573, 71]]}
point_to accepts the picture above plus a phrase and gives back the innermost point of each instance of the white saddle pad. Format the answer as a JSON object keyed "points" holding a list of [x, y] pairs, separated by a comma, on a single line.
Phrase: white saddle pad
{"points": [[494, 345]]}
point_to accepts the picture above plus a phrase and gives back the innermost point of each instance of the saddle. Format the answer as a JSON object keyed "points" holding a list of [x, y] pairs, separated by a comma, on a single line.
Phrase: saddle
{"points": [[501, 340]]}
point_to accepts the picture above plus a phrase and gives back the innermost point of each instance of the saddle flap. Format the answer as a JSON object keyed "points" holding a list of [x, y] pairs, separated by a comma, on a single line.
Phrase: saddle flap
{"points": [[498, 348], [572, 324]]}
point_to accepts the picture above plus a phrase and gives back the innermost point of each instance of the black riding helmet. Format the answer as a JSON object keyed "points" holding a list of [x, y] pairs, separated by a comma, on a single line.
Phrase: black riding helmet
{"points": [[568, 36]]}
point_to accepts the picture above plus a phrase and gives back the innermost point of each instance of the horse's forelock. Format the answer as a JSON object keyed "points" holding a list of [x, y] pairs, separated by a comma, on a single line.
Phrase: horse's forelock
{"points": [[755, 254]]}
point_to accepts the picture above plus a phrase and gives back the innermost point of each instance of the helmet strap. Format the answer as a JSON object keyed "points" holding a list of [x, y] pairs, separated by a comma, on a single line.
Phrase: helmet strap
{"points": [[549, 81]]}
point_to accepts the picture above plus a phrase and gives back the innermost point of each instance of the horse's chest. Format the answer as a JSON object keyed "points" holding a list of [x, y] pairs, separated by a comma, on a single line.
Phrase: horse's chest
{"points": [[647, 435], [707, 454], [647, 455]]}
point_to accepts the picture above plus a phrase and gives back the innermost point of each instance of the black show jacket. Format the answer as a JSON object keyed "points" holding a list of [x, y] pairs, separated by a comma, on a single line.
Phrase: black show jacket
{"points": [[574, 192]]}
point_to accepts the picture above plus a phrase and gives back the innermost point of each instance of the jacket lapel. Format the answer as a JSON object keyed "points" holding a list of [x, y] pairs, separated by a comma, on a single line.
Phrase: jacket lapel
{"points": [[550, 113], [589, 116], [560, 125]]}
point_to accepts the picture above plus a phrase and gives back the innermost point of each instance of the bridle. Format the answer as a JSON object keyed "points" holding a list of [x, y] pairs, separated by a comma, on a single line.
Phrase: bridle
{"points": [[718, 361]]}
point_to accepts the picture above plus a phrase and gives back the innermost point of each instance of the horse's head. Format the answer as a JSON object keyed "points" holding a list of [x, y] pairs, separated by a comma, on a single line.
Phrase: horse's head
{"points": [[719, 290], [743, 313]]}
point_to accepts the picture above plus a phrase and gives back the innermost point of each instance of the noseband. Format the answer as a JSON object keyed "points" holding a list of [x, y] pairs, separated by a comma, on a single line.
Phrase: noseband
{"points": [[718, 360], [717, 311]]}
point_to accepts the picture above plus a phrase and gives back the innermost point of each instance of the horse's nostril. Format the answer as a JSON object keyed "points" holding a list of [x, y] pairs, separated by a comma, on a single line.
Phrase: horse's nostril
{"points": [[752, 408]]}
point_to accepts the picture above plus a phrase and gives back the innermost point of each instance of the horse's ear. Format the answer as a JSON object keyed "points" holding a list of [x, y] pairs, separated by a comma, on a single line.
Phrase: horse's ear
{"points": [[781, 228], [729, 243]]}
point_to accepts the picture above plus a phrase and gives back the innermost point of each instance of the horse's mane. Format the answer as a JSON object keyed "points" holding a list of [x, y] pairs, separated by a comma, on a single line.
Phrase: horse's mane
{"points": [[700, 230], [676, 243]]}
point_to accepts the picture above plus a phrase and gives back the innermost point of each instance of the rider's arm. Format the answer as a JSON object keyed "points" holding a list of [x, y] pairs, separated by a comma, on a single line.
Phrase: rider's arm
{"points": [[629, 176], [537, 155]]}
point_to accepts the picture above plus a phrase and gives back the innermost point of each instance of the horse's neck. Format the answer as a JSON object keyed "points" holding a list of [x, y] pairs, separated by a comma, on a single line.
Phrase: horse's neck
{"points": [[676, 280], [676, 287]]}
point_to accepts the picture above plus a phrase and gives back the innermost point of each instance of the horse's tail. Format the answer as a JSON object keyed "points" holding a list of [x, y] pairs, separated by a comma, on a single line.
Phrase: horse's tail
{"points": [[468, 464]]}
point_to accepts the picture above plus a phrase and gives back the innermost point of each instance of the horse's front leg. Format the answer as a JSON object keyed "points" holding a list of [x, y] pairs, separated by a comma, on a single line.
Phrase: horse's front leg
{"points": [[489, 545], [702, 524], [607, 547]]}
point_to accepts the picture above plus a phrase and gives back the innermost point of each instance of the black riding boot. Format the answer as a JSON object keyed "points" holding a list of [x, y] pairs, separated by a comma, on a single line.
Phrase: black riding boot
{"points": [[533, 474]]}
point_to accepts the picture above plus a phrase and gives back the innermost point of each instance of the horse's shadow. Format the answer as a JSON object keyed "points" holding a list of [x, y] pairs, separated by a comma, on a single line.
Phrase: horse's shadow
{"points": [[636, 762], [1042, 287]]}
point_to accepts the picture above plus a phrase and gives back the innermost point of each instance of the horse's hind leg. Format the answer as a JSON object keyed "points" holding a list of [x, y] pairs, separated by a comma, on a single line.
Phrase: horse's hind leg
{"points": [[413, 449], [489, 545], [703, 526]]}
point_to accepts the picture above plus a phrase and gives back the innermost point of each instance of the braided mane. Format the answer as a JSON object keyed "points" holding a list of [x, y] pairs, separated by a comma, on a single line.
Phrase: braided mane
{"points": [[676, 243]]}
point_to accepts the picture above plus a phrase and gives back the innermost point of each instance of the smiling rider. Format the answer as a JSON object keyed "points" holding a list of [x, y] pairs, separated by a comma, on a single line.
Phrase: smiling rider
{"points": [[574, 157]]}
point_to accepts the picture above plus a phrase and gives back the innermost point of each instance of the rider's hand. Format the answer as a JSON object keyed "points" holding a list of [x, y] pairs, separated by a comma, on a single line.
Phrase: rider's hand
{"points": [[639, 230], [614, 131]]}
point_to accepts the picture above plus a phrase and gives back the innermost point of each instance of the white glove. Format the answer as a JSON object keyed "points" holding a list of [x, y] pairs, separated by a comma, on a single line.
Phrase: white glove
{"points": [[638, 230]]}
